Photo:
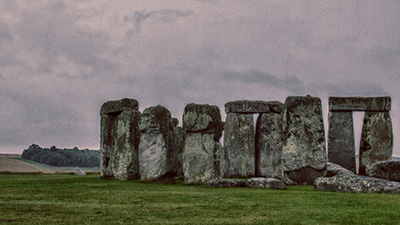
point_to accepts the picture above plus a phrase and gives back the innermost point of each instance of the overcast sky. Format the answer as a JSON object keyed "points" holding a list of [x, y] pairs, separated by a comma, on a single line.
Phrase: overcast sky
{"points": [[60, 60]]}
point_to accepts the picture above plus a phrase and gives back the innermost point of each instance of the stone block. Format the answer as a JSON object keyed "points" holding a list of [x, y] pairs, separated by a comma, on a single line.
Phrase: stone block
{"points": [[303, 151], [334, 169], [341, 149], [203, 118], [118, 106], [376, 139], [239, 145], [388, 170], [201, 158], [266, 183], [246, 106], [268, 140], [377, 104], [227, 183], [155, 148]]}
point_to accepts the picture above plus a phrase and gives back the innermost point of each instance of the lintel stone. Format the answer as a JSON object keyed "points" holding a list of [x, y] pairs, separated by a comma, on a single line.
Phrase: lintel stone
{"points": [[374, 104], [118, 106], [246, 106]]}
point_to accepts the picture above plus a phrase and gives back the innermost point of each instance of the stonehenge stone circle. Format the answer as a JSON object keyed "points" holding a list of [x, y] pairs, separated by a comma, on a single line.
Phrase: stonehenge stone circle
{"points": [[376, 139], [119, 142], [372, 104], [202, 153], [245, 106], [303, 151], [155, 148]]}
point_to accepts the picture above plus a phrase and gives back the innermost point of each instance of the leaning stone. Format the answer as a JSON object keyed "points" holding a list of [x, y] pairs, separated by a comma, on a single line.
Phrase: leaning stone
{"points": [[246, 106], [227, 183], [118, 106], [358, 184], [239, 145], [267, 183], [388, 170], [268, 142], [124, 160], [377, 104], [155, 150], [376, 139], [334, 169], [79, 172], [303, 151], [341, 149], [201, 155], [203, 118]]}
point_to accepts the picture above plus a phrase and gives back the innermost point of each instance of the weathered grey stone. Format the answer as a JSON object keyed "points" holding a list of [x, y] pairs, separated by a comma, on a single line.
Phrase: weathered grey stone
{"points": [[201, 158], [359, 184], [178, 142], [267, 183], [376, 139], [118, 106], [79, 172], [246, 106], [203, 118], [155, 148], [239, 145], [303, 150], [334, 169], [341, 140], [124, 161], [119, 143], [388, 170], [379, 104], [268, 141], [227, 183]]}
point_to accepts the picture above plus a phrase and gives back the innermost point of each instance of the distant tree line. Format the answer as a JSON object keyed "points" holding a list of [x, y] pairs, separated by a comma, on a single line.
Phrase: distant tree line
{"points": [[62, 157]]}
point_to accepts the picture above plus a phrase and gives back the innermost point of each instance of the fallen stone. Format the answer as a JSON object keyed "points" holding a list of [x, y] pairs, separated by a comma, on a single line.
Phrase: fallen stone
{"points": [[239, 145], [377, 104], [155, 149], [358, 184], [303, 151], [227, 183], [268, 142], [79, 172], [118, 106], [376, 139], [267, 183], [388, 170], [341, 149], [201, 158], [334, 169], [246, 106], [203, 118]]}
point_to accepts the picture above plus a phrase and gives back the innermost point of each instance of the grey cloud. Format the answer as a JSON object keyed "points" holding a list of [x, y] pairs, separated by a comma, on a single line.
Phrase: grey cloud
{"points": [[354, 88], [5, 34], [160, 16], [383, 56]]}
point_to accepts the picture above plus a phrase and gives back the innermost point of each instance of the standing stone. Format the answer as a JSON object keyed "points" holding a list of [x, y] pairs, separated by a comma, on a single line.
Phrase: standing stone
{"points": [[303, 152], [155, 149], [119, 139], [202, 153], [239, 141], [341, 149], [269, 145], [376, 139], [178, 141]]}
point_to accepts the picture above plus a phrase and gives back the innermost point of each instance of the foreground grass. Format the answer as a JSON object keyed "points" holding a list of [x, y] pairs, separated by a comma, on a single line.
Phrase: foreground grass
{"points": [[69, 199]]}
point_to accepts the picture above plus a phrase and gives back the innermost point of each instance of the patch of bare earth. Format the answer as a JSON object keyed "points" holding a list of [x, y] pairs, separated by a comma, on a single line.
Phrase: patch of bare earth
{"points": [[8, 163]]}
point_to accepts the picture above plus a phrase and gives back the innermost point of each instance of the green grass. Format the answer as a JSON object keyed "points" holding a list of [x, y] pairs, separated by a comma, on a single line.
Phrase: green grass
{"points": [[46, 168], [68, 199]]}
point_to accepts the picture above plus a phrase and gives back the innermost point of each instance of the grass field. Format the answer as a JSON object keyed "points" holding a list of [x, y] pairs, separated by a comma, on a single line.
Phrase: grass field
{"points": [[63, 198]]}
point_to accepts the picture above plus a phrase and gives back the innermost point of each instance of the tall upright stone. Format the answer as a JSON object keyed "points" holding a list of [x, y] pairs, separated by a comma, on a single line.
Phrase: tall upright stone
{"points": [[239, 145], [202, 153], [269, 145], [119, 139], [178, 141], [341, 148], [155, 148], [303, 151], [376, 139]]}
